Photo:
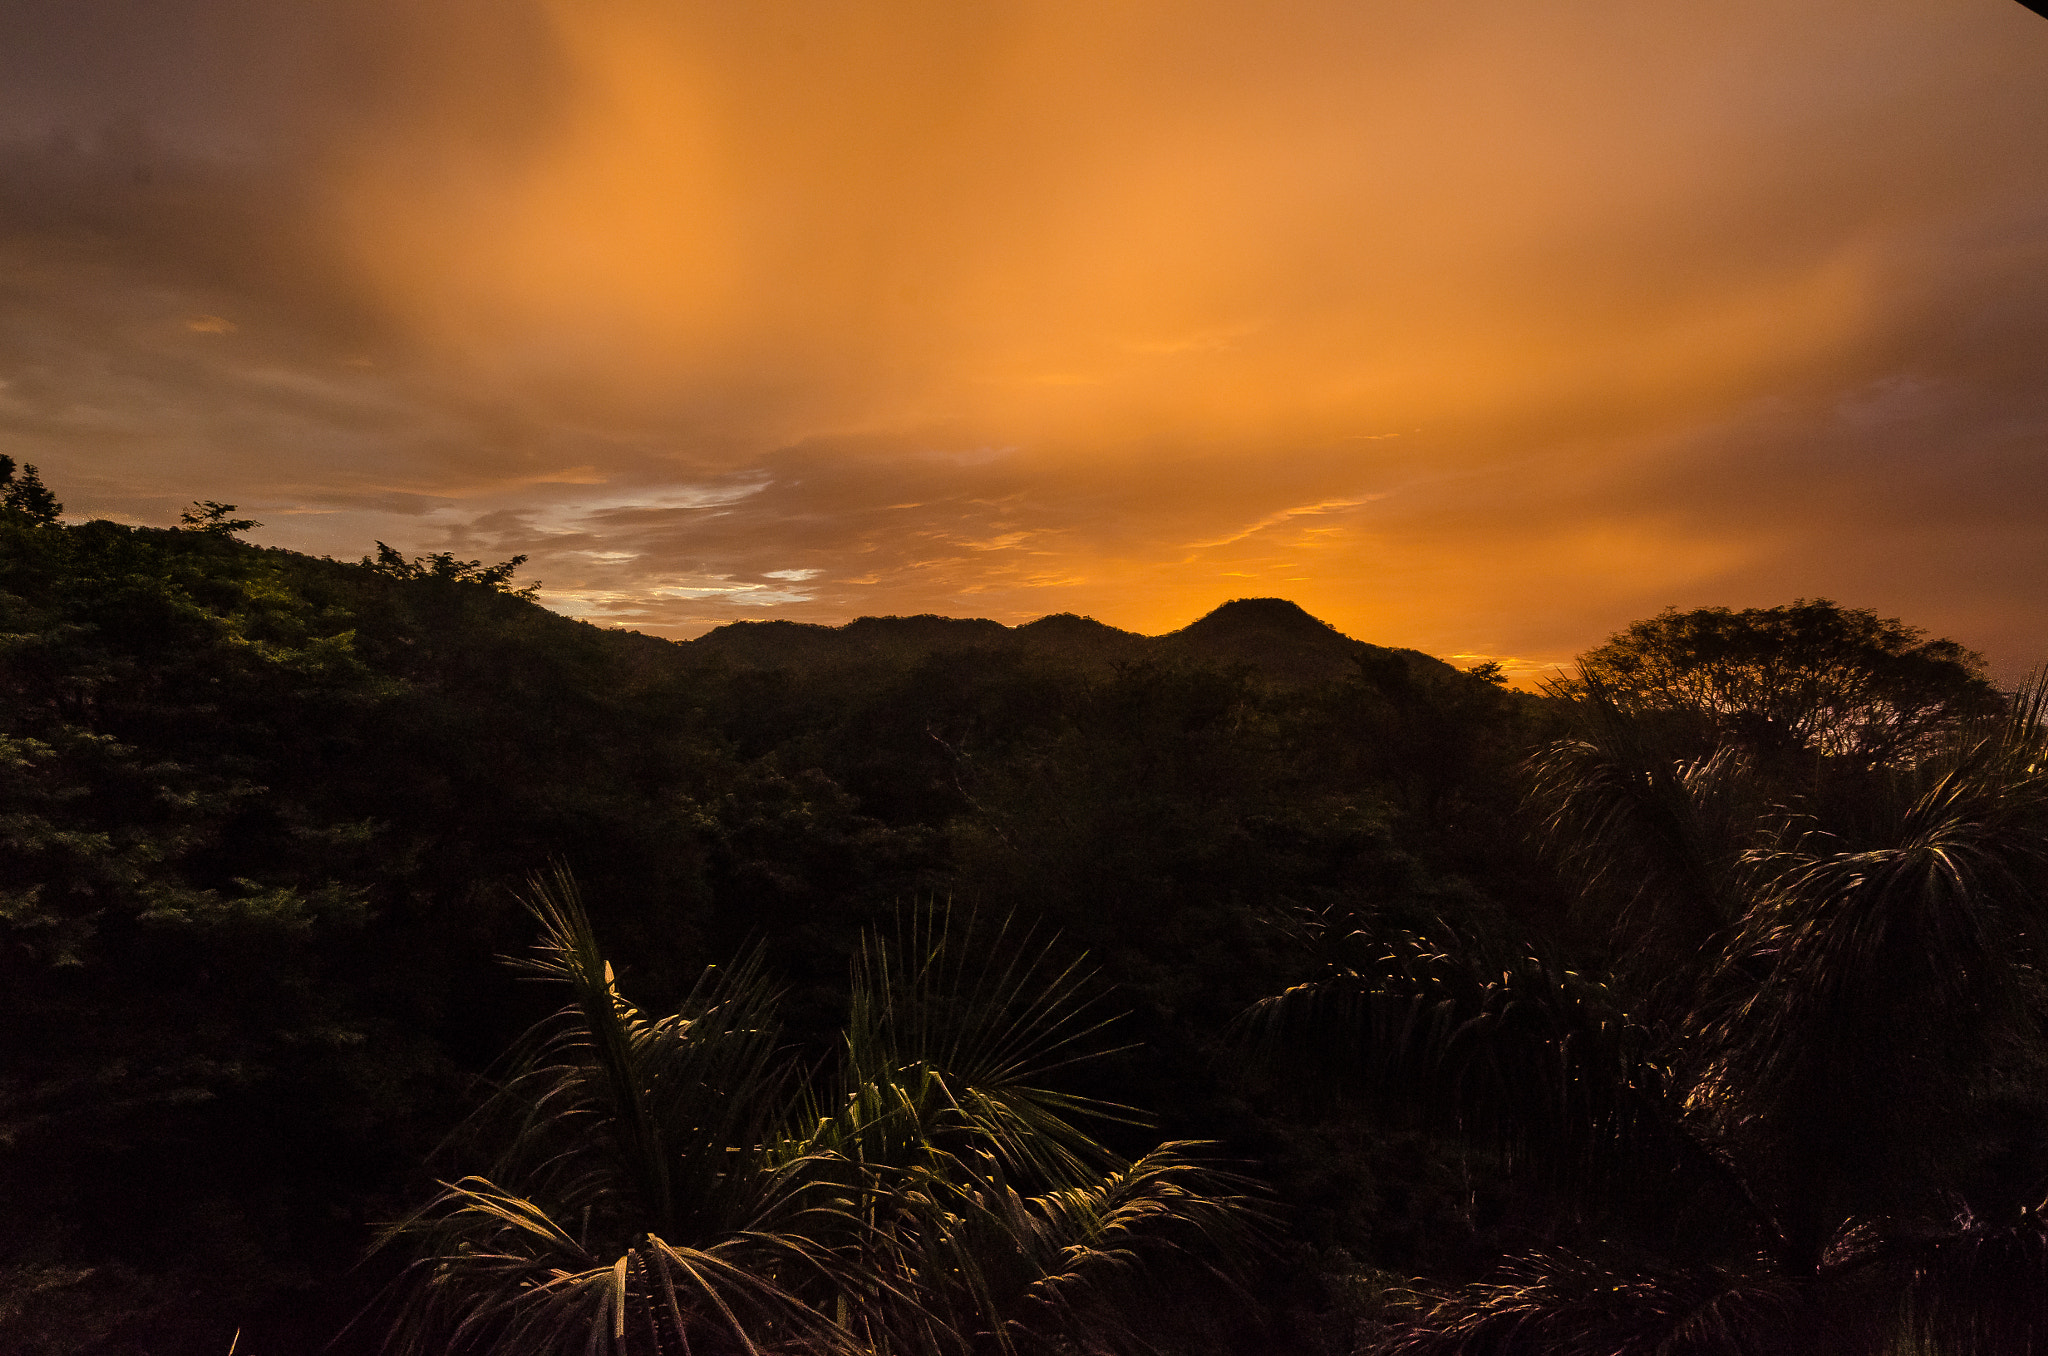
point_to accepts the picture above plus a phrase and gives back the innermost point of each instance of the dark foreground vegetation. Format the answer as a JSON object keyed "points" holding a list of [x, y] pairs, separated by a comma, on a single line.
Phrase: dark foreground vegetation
{"points": [[928, 986]]}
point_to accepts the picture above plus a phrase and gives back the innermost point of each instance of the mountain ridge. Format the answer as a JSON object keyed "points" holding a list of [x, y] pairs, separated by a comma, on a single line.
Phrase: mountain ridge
{"points": [[1282, 641]]}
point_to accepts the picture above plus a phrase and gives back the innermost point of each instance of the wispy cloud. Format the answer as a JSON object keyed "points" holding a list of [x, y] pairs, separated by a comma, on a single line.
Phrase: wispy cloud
{"points": [[1285, 515]]}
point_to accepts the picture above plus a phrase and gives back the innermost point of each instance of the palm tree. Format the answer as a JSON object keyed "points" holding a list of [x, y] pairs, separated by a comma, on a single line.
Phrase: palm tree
{"points": [[682, 1184], [637, 1180], [1796, 1105]]}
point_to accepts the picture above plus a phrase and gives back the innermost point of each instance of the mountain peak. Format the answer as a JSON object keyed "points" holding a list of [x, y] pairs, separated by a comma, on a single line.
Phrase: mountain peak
{"points": [[1261, 614], [1284, 643]]}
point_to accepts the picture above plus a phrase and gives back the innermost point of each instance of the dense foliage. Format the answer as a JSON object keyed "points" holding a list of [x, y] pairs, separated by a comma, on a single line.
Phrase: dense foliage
{"points": [[1707, 979], [263, 815], [683, 1183], [1811, 678], [1799, 1104]]}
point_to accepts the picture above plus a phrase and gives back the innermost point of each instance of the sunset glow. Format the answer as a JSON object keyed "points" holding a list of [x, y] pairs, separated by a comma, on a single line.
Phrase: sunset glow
{"points": [[1482, 329]]}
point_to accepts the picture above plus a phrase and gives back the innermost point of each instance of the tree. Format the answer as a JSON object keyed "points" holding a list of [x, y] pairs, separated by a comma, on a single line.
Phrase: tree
{"points": [[1811, 677], [211, 516], [1795, 1105], [442, 565], [25, 497], [677, 1183]]}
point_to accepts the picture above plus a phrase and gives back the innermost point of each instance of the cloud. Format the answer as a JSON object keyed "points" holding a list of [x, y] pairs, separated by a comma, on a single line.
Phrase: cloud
{"points": [[1286, 515], [1481, 328]]}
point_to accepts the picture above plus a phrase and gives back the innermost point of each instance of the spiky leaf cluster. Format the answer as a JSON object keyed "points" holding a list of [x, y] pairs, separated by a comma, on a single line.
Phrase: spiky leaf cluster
{"points": [[680, 1183], [1793, 1106]]}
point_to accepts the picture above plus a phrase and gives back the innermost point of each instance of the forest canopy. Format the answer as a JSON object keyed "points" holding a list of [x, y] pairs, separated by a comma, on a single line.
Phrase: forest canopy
{"points": [[1810, 676], [1692, 1006]]}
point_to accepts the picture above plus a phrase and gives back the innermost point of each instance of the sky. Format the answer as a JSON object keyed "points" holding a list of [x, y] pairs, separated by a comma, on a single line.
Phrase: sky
{"points": [[1480, 327]]}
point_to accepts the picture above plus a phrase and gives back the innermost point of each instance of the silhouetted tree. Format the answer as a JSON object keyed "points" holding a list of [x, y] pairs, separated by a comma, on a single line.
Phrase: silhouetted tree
{"points": [[1812, 677], [1803, 1100], [442, 565], [207, 515], [24, 495]]}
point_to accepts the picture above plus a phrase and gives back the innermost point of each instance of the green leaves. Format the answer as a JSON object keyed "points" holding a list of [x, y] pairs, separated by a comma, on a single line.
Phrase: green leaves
{"points": [[443, 567], [24, 498], [1526, 1059], [1820, 1024], [678, 1180], [1811, 677], [215, 518], [1565, 1304]]}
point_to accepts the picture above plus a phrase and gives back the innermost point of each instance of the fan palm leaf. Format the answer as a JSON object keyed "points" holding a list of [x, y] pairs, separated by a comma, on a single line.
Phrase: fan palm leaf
{"points": [[966, 1046], [1105, 1260], [1560, 1303], [662, 1185], [1662, 838], [505, 1276], [1518, 1053], [1824, 993], [639, 1193], [979, 1176], [1980, 1288], [1872, 986]]}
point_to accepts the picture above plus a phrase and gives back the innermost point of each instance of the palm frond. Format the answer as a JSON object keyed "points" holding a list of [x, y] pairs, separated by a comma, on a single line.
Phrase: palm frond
{"points": [[1567, 1304], [1112, 1258], [957, 1035], [1664, 839], [1515, 1049], [669, 1184], [1869, 987], [639, 1114], [638, 1169], [987, 1195], [1978, 1289], [499, 1274]]}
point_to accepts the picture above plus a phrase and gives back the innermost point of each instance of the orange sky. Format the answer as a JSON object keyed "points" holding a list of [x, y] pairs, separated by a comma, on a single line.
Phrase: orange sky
{"points": [[1483, 328]]}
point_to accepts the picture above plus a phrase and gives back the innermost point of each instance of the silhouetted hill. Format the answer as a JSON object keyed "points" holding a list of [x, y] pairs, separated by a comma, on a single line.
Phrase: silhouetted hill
{"points": [[1083, 640], [923, 634], [1283, 642], [1272, 635], [768, 644], [808, 645]]}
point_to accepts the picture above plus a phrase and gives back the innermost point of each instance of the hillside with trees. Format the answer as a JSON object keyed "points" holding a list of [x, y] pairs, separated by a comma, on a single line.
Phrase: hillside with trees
{"points": [[384, 957]]}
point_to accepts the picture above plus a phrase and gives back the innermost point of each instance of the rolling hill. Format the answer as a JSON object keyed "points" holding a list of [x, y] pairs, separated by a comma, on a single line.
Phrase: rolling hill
{"points": [[1283, 643]]}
